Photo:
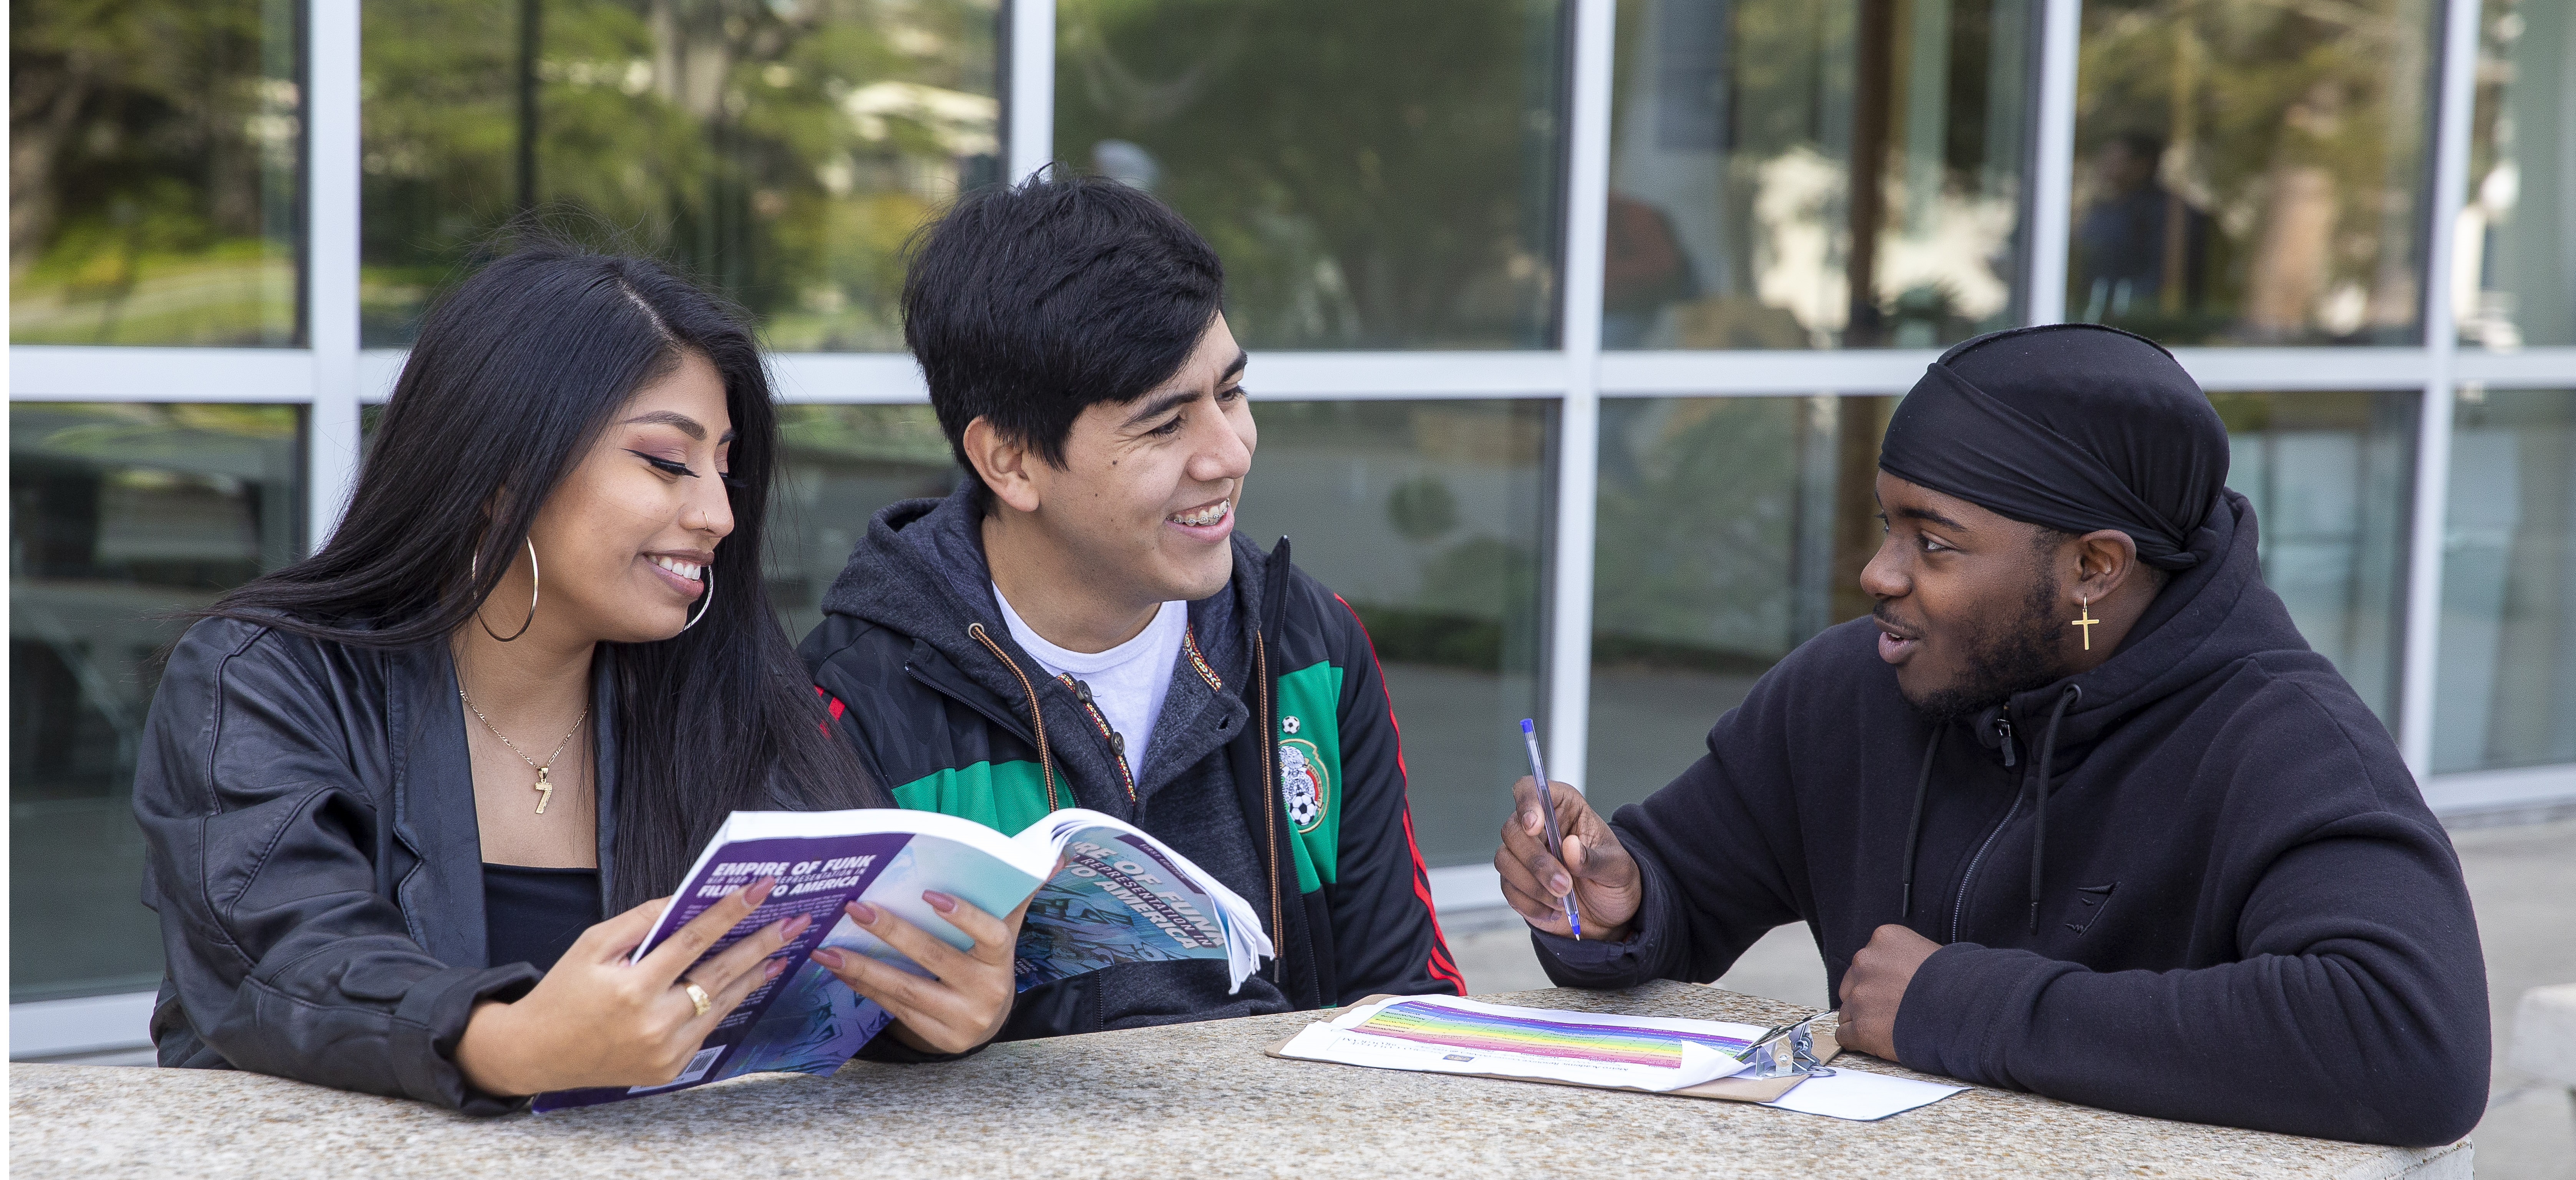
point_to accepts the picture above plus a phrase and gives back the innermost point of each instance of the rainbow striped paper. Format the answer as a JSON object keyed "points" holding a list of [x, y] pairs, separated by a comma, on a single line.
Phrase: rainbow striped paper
{"points": [[1488, 1032]]}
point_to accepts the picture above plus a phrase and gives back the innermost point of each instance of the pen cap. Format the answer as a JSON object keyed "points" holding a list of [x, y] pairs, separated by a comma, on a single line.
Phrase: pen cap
{"points": [[1526, 727]]}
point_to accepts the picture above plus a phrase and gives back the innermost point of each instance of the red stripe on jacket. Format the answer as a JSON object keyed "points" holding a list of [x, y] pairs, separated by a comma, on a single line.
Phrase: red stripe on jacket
{"points": [[1442, 965], [832, 705]]}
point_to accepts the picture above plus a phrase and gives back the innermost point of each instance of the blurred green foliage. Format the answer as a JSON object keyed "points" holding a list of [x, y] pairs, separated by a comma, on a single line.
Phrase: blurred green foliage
{"points": [[1375, 173], [783, 150], [153, 172], [2298, 131]]}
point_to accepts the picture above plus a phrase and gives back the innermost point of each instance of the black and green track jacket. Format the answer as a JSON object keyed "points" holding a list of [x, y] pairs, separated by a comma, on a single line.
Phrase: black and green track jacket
{"points": [[1275, 764]]}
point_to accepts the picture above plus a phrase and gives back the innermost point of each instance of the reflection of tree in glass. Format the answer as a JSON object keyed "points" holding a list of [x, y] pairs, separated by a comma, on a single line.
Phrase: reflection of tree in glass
{"points": [[152, 173], [1361, 194], [1422, 508], [783, 149], [1837, 173], [2293, 142], [1694, 538]]}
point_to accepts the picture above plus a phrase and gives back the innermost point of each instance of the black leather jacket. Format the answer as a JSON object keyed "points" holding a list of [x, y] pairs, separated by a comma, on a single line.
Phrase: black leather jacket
{"points": [[308, 810]]}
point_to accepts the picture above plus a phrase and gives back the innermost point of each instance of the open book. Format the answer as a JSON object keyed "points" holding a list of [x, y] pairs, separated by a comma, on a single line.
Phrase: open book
{"points": [[1121, 897]]}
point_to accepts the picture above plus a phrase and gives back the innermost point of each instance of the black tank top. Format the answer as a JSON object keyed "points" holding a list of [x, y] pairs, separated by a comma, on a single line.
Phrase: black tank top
{"points": [[532, 915]]}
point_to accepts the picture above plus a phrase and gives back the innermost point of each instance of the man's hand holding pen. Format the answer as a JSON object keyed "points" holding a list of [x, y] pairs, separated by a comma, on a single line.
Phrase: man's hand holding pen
{"points": [[1592, 867]]}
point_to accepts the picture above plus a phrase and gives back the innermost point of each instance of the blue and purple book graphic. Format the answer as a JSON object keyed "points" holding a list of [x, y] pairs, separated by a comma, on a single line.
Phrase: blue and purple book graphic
{"points": [[1118, 900], [1120, 897], [804, 1021]]}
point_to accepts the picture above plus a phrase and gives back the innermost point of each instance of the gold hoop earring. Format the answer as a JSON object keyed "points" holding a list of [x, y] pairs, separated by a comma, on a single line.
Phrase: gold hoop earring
{"points": [[704, 605], [536, 582]]}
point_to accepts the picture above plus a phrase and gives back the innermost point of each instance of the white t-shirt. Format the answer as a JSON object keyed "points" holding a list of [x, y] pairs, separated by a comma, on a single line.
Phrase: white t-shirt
{"points": [[1128, 682]]}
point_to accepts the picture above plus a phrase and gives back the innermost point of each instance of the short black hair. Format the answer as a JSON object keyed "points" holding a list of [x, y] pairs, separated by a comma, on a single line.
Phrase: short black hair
{"points": [[1029, 303]]}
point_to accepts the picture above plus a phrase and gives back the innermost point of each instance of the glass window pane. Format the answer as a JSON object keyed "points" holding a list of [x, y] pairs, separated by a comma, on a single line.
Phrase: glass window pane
{"points": [[1362, 194], [120, 515], [1733, 529], [2505, 681], [2514, 274], [782, 149], [2332, 478], [839, 465], [1806, 174], [2253, 173], [1729, 531], [154, 167], [1428, 518]]}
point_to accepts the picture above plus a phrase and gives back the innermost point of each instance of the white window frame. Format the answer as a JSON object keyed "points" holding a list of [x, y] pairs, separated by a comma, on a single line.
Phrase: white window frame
{"points": [[333, 376]]}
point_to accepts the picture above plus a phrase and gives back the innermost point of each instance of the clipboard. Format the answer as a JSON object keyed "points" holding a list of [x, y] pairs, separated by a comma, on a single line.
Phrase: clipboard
{"points": [[1722, 1089]]}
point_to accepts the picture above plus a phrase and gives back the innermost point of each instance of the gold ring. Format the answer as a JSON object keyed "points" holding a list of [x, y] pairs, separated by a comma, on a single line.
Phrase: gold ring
{"points": [[699, 997]]}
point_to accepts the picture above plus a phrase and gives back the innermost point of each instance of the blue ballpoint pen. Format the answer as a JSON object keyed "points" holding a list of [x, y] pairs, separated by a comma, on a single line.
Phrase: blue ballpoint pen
{"points": [[1555, 842]]}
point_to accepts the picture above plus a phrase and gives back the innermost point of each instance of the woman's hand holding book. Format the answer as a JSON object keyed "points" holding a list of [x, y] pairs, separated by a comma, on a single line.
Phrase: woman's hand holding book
{"points": [[969, 993], [599, 1020]]}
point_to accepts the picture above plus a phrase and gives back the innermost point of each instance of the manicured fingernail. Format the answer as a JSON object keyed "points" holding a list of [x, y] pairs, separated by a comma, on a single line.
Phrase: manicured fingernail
{"points": [[773, 968], [827, 957], [795, 926], [939, 901], [861, 913], [758, 891]]}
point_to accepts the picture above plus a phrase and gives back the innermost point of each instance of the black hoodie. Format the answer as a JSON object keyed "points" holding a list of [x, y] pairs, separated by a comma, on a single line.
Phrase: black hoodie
{"points": [[2245, 914]]}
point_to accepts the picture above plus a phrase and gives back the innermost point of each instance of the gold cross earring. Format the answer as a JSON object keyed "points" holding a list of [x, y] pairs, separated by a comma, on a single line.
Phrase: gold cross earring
{"points": [[2084, 618]]}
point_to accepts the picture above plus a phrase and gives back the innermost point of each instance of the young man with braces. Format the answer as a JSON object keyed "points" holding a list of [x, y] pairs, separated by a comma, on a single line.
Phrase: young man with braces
{"points": [[1080, 624]]}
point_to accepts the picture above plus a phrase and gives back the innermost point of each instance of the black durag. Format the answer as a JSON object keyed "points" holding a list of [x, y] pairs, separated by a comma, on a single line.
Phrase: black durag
{"points": [[2074, 426]]}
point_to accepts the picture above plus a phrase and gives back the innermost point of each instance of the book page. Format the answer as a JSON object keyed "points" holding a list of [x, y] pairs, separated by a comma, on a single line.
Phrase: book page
{"points": [[967, 872], [1119, 899]]}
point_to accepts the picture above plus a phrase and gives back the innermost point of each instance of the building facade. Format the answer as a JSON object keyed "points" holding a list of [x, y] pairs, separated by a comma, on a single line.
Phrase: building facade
{"points": [[1575, 323]]}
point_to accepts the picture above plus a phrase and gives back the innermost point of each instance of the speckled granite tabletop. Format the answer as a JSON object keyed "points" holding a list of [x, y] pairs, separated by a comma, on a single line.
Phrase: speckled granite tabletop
{"points": [[1195, 1100]]}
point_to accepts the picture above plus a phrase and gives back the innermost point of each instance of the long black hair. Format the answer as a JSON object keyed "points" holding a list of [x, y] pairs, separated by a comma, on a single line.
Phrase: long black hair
{"points": [[515, 375]]}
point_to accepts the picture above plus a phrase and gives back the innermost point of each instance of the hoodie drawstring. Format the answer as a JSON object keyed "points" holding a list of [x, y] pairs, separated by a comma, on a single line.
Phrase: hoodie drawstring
{"points": [[1037, 719], [2039, 814], [1914, 827]]}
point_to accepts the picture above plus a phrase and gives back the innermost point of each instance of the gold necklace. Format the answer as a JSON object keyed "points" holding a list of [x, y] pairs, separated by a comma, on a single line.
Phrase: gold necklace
{"points": [[544, 788]]}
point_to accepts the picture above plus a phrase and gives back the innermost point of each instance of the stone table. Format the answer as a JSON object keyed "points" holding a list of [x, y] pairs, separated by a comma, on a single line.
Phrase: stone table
{"points": [[1196, 1100]]}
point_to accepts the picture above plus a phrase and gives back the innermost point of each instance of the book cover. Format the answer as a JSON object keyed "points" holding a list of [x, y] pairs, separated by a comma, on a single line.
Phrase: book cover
{"points": [[804, 1021], [1116, 896]]}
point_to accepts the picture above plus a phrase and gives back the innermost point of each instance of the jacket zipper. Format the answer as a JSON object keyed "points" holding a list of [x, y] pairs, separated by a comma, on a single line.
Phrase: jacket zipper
{"points": [[1117, 741], [1959, 904], [1037, 720], [1270, 797]]}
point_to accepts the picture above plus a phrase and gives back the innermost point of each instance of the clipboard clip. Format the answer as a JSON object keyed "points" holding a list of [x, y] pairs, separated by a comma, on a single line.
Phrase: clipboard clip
{"points": [[1783, 1050]]}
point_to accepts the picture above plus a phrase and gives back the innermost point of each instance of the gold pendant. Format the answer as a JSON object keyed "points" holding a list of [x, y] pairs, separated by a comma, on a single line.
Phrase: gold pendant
{"points": [[545, 790]]}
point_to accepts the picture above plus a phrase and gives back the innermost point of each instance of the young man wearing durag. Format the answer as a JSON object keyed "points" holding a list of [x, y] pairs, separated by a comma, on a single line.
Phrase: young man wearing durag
{"points": [[2077, 811]]}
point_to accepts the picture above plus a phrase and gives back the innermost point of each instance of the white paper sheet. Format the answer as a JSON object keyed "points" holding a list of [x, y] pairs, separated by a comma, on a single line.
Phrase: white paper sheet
{"points": [[1863, 1097], [1344, 1042]]}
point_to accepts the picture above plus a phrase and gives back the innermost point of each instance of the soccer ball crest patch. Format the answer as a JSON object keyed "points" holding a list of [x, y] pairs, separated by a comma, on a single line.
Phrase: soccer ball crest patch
{"points": [[1303, 783]]}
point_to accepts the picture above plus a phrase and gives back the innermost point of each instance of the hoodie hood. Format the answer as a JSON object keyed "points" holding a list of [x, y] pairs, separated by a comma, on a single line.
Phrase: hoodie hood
{"points": [[921, 572], [2208, 617], [2204, 619]]}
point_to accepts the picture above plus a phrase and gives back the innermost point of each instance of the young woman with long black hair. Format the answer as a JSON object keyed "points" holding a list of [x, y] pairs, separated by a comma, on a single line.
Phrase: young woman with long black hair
{"points": [[392, 791]]}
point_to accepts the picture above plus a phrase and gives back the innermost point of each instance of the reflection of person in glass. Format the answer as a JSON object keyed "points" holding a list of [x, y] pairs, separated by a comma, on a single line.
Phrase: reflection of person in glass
{"points": [[2141, 249], [394, 793], [1643, 270], [1081, 624], [2077, 810]]}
